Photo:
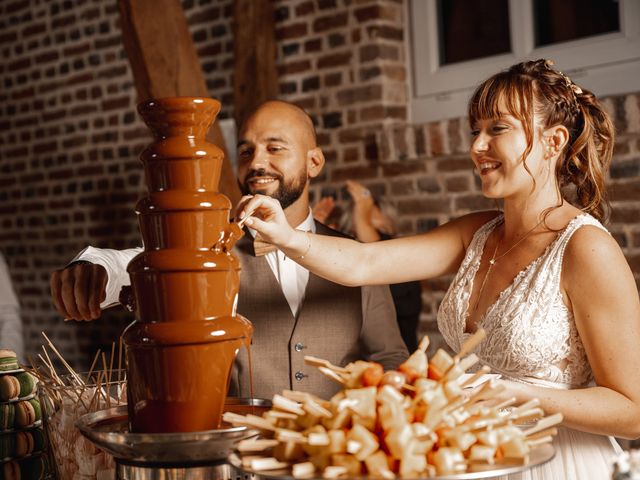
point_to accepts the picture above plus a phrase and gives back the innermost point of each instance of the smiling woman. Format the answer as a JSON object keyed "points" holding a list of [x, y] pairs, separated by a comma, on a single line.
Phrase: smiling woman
{"points": [[544, 278]]}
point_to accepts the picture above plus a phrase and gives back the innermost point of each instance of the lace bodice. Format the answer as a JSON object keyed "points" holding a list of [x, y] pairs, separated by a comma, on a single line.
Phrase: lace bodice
{"points": [[531, 334]]}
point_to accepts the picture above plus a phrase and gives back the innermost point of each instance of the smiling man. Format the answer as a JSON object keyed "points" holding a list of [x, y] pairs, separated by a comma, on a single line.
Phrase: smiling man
{"points": [[294, 313]]}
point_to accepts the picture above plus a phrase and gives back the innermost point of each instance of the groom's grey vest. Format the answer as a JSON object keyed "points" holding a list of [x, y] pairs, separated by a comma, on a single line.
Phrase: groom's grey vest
{"points": [[328, 326]]}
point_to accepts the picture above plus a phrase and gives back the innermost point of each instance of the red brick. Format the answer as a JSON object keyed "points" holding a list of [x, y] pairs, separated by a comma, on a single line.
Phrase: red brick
{"points": [[457, 184], [294, 67], [624, 214], [330, 22], [59, 22], [18, 65], [473, 203], [385, 32], [313, 45], [335, 59], [291, 31], [349, 173], [77, 50], [359, 94], [45, 57], [204, 16], [8, 37], [625, 190], [81, 78], [304, 9], [455, 164], [436, 139], [376, 12], [24, 93], [421, 205], [394, 169], [33, 29], [379, 52]]}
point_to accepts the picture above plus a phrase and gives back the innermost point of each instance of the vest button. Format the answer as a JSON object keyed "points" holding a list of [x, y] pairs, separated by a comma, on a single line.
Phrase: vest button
{"points": [[300, 376], [299, 347]]}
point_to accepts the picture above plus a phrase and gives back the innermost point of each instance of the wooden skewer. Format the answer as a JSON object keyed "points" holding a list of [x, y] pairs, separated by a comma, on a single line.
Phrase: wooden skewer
{"points": [[549, 431], [119, 363], [256, 445], [534, 402], [424, 343], [320, 362], [64, 362], [332, 375], [540, 441], [468, 362], [105, 371], [545, 423], [471, 343], [483, 371]]}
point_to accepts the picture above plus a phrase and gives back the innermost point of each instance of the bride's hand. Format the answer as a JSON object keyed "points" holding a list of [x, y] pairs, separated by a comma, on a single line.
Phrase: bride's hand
{"points": [[265, 215]]}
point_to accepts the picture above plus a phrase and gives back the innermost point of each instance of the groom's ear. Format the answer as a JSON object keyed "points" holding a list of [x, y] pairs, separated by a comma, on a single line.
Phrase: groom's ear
{"points": [[315, 162]]}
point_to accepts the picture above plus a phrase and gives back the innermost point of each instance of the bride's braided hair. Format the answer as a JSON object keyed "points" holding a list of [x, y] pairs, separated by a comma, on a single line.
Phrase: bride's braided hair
{"points": [[537, 85]]}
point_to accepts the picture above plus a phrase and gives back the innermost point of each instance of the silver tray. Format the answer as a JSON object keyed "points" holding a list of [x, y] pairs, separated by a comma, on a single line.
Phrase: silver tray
{"points": [[538, 456], [108, 429]]}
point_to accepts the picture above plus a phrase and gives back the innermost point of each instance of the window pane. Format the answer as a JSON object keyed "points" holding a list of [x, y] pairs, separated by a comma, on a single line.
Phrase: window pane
{"points": [[563, 20], [470, 29]]}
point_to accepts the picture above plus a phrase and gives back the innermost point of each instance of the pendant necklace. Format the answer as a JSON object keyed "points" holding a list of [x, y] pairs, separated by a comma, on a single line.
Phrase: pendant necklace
{"points": [[494, 259]]}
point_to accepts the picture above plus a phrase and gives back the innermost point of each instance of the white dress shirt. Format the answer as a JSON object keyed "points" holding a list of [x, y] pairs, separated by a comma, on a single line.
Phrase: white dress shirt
{"points": [[292, 277]]}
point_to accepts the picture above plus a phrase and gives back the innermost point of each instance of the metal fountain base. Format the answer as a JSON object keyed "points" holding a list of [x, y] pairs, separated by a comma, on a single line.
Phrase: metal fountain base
{"points": [[169, 456]]}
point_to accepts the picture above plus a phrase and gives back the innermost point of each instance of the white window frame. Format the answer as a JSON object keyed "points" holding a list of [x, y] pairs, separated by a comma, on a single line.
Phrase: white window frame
{"points": [[606, 64]]}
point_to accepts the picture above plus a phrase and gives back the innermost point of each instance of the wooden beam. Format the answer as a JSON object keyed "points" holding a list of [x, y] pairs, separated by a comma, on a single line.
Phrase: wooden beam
{"points": [[255, 74], [165, 63]]}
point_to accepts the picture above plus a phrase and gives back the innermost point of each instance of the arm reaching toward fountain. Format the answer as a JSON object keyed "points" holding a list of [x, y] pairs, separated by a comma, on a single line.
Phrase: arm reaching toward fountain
{"points": [[351, 263], [91, 282]]}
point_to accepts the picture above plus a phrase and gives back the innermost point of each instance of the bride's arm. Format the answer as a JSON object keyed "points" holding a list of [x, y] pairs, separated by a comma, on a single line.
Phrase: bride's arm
{"points": [[352, 263], [604, 299]]}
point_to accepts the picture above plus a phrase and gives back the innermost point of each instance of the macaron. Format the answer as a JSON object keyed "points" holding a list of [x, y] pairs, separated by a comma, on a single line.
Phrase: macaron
{"points": [[25, 444], [7, 416], [9, 387], [25, 414], [28, 383], [8, 360], [34, 468], [11, 471]]}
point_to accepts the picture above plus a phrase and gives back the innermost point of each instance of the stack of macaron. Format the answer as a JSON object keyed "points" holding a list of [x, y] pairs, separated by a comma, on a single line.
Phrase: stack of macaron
{"points": [[23, 443], [33, 468]]}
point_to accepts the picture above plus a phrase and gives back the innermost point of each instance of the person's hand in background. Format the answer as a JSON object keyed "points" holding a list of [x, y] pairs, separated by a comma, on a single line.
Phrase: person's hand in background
{"points": [[323, 208]]}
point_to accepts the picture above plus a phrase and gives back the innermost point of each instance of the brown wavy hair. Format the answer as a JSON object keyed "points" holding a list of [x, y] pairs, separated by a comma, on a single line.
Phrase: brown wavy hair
{"points": [[535, 87]]}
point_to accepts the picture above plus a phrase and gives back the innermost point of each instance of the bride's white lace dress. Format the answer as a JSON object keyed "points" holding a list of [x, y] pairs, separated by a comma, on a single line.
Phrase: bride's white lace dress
{"points": [[532, 337]]}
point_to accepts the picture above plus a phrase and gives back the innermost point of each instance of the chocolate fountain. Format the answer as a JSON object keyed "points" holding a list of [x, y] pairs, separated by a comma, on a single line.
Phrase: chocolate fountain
{"points": [[181, 347], [185, 284]]}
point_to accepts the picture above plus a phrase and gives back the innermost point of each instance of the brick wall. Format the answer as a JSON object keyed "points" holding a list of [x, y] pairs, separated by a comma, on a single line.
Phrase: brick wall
{"points": [[69, 136]]}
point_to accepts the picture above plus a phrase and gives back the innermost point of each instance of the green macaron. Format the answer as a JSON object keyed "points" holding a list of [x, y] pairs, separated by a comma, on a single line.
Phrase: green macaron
{"points": [[8, 360], [7, 416], [9, 388], [7, 446], [28, 383]]}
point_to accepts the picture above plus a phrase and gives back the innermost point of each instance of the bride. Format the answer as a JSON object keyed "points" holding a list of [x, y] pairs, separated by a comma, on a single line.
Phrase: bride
{"points": [[543, 277]]}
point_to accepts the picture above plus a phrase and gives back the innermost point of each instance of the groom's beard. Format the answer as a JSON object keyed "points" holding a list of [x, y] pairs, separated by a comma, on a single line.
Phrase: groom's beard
{"points": [[287, 193]]}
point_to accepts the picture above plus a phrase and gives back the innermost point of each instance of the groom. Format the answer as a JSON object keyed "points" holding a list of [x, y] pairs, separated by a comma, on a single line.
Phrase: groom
{"points": [[294, 313]]}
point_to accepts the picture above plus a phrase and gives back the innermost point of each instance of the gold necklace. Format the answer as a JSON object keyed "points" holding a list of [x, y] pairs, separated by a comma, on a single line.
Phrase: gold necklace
{"points": [[494, 259]]}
